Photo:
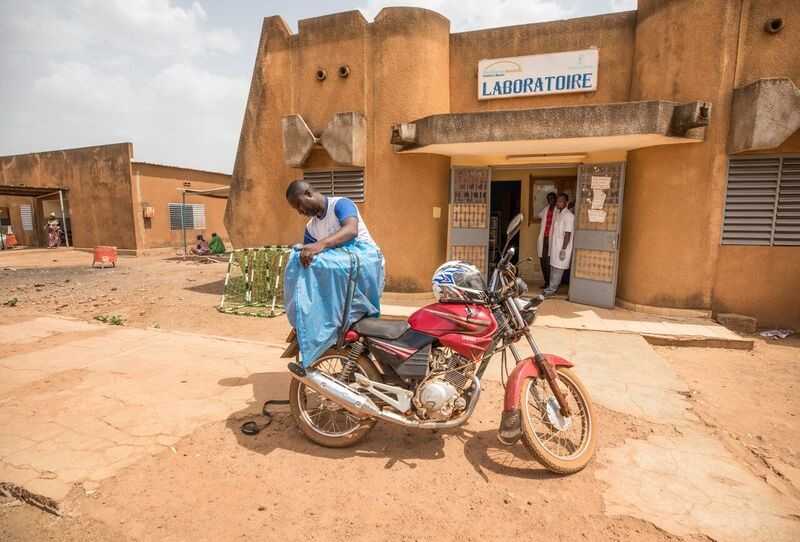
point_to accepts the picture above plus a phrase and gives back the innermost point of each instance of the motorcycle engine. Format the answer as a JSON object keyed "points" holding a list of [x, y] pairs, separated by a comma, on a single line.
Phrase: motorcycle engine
{"points": [[441, 394]]}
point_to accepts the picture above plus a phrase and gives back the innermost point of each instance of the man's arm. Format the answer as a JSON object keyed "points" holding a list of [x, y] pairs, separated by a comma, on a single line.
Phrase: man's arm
{"points": [[569, 226], [347, 232]]}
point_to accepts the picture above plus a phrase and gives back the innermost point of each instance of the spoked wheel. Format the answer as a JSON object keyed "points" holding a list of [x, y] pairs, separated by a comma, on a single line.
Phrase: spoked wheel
{"points": [[562, 445], [322, 420]]}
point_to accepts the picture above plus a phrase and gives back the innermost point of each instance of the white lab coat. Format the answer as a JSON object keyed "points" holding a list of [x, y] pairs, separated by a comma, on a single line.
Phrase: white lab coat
{"points": [[563, 222], [543, 217]]}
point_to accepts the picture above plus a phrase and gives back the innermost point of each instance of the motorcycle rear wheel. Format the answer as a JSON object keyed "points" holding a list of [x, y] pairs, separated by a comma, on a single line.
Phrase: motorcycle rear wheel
{"points": [[561, 445], [322, 421]]}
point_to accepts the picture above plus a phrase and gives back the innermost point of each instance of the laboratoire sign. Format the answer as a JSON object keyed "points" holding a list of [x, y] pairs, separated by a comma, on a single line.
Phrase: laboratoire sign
{"points": [[534, 75]]}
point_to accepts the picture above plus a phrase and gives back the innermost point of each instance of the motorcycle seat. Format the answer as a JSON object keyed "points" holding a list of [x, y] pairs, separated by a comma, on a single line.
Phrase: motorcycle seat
{"points": [[381, 328]]}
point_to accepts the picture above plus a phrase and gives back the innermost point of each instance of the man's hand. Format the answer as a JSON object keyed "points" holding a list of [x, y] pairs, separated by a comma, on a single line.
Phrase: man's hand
{"points": [[308, 252], [562, 255]]}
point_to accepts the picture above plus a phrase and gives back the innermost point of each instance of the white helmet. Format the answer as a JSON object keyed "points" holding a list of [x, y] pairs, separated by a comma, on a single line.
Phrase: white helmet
{"points": [[457, 281]]}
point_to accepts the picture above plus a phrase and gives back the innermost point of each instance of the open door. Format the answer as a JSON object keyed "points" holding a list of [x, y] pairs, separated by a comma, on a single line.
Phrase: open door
{"points": [[468, 216], [598, 213]]}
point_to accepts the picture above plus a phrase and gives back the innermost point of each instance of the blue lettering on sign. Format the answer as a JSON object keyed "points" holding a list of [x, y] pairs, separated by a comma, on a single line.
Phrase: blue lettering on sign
{"points": [[537, 85]]}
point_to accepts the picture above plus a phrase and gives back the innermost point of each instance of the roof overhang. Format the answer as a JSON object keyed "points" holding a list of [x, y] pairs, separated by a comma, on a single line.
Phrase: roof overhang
{"points": [[555, 130], [30, 191], [221, 192], [764, 114]]}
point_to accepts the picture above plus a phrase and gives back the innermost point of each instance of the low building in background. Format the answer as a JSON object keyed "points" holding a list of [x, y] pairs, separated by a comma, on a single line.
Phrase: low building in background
{"points": [[108, 199]]}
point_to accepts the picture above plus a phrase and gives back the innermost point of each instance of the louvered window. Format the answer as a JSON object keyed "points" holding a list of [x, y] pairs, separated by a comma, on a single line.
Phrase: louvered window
{"points": [[348, 183], [762, 203], [26, 214], [193, 218]]}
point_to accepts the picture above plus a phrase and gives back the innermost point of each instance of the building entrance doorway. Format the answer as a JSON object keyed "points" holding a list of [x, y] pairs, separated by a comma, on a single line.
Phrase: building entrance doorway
{"points": [[506, 203]]}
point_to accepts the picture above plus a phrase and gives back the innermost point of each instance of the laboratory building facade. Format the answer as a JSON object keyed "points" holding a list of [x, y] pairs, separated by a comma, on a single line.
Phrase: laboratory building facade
{"points": [[673, 129]]}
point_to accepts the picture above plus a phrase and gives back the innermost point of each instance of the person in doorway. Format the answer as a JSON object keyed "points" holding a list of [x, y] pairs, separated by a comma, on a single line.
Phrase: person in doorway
{"points": [[200, 248], [543, 244], [216, 245], [560, 243], [53, 228], [332, 221]]}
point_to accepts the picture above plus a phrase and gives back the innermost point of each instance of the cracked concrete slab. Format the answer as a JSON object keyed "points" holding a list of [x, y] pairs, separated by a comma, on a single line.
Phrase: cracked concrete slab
{"points": [[82, 410], [693, 484]]}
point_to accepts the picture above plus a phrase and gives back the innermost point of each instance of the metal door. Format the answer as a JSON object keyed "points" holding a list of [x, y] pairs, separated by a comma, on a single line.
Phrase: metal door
{"points": [[468, 216], [598, 219]]}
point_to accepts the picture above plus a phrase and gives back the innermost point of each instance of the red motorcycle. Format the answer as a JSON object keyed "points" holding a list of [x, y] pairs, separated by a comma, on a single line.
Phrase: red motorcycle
{"points": [[426, 372]]}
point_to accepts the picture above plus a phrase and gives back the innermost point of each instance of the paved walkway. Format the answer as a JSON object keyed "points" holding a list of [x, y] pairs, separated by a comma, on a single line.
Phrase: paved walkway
{"points": [[562, 314], [80, 401]]}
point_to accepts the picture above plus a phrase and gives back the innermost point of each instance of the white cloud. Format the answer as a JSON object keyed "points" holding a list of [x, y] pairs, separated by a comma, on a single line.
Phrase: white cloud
{"points": [[476, 14]]}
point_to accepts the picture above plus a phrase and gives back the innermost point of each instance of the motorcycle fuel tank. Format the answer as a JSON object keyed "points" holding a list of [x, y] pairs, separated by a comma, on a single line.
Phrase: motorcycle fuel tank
{"points": [[466, 328]]}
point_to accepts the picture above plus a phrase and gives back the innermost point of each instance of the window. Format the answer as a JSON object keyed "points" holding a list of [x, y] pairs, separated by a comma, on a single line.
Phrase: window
{"points": [[348, 183], [762, 202], [194, 216], [26, 214]]}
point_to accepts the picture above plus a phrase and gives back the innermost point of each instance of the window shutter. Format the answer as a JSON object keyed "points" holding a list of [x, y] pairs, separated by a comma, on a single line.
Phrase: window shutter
{"points": [[750, 201], [26, 214], [348, 183], [194, 216], [787, 218]]}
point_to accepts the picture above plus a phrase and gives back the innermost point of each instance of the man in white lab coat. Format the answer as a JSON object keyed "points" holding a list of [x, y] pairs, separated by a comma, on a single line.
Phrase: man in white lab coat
{"points": [[561, 238], [546, 215]]}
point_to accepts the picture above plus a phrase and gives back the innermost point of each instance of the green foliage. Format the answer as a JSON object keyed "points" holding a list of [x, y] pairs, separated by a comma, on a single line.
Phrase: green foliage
{"points": [[254, 284], [111, 319]]}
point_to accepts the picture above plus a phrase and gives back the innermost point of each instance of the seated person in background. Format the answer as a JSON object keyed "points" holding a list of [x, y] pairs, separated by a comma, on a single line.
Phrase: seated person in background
{"points": [[201, 247], [216, 245]]}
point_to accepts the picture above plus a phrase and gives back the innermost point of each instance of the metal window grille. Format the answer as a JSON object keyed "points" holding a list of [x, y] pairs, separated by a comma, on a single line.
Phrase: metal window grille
{"points": [[348, 183], [193, 216], [762, 201], [26, 214]]}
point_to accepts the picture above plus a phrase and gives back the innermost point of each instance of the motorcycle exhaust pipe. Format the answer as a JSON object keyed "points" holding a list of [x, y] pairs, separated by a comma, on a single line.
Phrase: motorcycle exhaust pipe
{"points": [[363, 407], [358, 404]]}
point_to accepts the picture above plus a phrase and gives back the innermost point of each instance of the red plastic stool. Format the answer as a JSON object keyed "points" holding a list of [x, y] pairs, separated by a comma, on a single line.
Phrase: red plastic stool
{"points": [[105, 255]]}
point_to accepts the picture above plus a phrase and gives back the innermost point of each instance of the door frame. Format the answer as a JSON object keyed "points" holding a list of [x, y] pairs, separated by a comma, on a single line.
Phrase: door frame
{"points": [[467, 236], [615, 242]]}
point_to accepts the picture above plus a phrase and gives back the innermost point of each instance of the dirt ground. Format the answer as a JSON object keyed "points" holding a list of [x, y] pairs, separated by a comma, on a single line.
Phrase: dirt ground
{"points": [[398, 484]]}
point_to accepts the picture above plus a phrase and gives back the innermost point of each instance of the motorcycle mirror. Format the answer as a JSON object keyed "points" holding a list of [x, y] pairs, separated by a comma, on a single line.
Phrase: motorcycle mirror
{"points": [[514, 225]]}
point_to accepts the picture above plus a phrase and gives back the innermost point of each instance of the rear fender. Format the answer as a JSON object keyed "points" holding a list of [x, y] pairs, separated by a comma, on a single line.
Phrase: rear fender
{"points": [[527, 369], [510, 426]]}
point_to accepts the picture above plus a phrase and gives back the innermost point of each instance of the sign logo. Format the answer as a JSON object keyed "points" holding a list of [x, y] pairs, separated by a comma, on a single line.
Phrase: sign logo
{"points": [[533, 75]]}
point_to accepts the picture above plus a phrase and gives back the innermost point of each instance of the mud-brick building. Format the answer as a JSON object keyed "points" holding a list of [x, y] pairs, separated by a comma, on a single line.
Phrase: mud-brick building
{"points": [[109, 199], [674, 129]]}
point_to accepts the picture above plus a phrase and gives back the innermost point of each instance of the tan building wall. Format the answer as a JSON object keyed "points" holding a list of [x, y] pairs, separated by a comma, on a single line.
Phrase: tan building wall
{"points": [[399, 70], [405, 65], [98, 180], [12, 203], [613, 35], [158, 185]]}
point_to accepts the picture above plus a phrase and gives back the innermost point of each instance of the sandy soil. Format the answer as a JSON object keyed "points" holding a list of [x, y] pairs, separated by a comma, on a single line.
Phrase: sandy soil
{"points": [[398, 484], [752, 400]]}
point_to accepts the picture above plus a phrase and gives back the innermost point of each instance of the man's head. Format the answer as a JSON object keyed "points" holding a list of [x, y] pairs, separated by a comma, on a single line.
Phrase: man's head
{"points": [[304, 199], [214, 234], [551, 199], [562, 200], [200, 237]]}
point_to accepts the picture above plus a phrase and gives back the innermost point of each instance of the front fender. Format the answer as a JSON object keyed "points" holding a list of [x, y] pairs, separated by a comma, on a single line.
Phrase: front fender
{"points": [[510, 428], [527, 369]]}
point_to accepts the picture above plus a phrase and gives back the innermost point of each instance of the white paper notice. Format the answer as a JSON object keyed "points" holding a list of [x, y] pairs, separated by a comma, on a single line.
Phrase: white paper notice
{"points": [[598, 198], [596, 216], [601, 183]]}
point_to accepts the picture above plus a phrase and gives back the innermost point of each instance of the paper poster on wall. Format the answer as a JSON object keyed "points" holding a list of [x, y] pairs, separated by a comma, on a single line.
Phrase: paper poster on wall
{"points": [[596, 216], [601, 183], [598, 198]]}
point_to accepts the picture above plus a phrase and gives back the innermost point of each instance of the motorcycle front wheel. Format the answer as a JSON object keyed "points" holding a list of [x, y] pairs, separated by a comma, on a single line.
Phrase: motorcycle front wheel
{"points": [[320, 419], [563, 445]]}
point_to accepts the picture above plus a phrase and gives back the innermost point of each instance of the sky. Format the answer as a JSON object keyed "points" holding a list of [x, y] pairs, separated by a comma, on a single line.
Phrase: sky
{"points": [[172, 76]]}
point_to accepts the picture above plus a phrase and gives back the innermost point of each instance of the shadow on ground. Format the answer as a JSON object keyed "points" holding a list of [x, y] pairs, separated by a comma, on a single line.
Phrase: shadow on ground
{"points": [[393, 443]]}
